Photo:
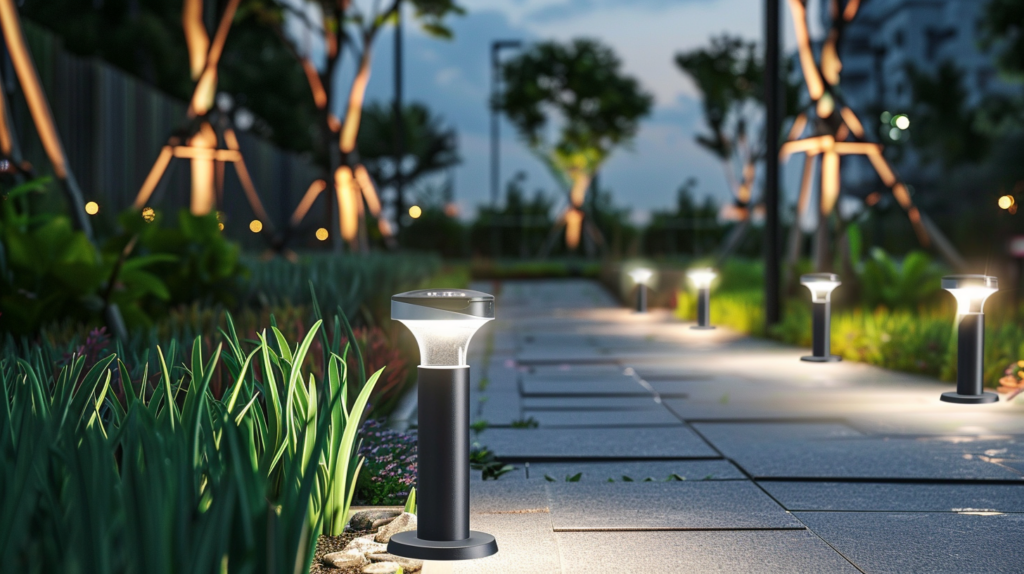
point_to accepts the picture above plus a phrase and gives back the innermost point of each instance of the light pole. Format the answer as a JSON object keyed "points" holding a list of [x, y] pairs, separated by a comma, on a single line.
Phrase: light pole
{"points": [[772, 129], [821, 286], [701, 279], [399, 125], [970, 292], [496, 47], [641, 276], [443, 322]]}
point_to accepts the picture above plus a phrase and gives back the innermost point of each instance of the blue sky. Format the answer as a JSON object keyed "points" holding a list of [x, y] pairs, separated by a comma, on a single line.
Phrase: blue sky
{"points": [[452, 77]]}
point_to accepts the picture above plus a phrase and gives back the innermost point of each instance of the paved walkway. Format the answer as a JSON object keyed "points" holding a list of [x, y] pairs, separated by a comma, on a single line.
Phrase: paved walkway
{"points": [[706, 451]]}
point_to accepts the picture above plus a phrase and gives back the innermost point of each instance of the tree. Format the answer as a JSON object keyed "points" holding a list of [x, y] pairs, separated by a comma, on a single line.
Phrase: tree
{"points": [[429, 144], [598, 108], [1000, 28], [946, 129]]}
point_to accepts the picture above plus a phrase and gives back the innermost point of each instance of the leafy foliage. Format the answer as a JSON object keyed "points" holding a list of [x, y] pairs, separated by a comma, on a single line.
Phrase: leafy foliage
{"points": [[430, 144], [945, 128], [598, 107], [899, 284]]}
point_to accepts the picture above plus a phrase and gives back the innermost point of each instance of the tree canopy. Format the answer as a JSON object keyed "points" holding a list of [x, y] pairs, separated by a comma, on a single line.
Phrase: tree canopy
{"points": [[596, 106]]}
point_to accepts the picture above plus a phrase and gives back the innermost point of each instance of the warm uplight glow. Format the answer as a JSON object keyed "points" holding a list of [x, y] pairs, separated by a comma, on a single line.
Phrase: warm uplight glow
{"points": [[415, 212], [821, 285], [702, 278], [322, 234], [1006, 202], [92, 208], [970, 291], [902, 122], [641, 275], [148, 214], [255, 226]]}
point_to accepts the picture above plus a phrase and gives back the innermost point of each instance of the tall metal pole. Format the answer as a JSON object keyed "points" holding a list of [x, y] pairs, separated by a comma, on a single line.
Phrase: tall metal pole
{"points": [[495, 48], [772, 129], [399, 125]]}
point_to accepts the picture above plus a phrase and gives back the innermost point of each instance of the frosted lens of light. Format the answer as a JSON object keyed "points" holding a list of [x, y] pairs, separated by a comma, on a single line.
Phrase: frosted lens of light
{"points": [[443, 343], [702, 278], [641, 276], [971, 299], [821, 291]]}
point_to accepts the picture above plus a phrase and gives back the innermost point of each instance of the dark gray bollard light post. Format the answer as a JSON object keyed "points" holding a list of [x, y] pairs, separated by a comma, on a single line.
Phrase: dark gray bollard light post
{"points": [[641, 276], [821, 286], [701, 279], [970, 291], [443, 322]]}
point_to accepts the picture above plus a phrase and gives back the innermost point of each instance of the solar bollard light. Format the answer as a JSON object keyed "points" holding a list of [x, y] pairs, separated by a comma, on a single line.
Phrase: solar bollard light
{"points": [[701, 279], [443, 322], [821, 286], [970, 292], [641, 276]]}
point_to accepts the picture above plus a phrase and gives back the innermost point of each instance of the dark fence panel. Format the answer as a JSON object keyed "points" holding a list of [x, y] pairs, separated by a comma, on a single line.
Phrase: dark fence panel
{"points": [[113, 126]]}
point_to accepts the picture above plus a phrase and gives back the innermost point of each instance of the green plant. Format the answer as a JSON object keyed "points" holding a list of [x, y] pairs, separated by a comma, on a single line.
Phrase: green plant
{"points": [[410, 502], [481, 458], [902, 284], [568, 478], [390, 464], [49, 271], [527, 423]]}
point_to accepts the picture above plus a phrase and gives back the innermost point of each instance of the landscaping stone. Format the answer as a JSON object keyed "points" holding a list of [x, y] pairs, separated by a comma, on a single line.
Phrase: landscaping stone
{"points": [[372, 519], [688, 505], [922, 542], [699, 552], [408, 564], [572, 443], [381, 568], [344, 559], [366, 545], [403, 523]]}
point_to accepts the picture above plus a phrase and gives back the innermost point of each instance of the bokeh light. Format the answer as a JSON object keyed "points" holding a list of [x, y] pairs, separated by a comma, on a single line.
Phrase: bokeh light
{"points": [[148, 214], [92, 208], [1006, 202], [322, 234], [415, 212], [255, 226]]}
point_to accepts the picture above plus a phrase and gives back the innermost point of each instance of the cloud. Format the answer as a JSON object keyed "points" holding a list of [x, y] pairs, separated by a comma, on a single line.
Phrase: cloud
{"points": [[573, 8]]}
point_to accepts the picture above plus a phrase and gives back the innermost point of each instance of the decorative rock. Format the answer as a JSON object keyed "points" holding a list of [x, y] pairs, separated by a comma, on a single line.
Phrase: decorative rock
{"points": [[381, 568], [372, 519], [344, 559], [403, 523], [408, 564], [366, 545]]}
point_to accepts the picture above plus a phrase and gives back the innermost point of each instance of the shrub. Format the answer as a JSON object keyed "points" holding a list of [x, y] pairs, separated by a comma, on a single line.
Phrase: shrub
{"points": [[390, 465]]}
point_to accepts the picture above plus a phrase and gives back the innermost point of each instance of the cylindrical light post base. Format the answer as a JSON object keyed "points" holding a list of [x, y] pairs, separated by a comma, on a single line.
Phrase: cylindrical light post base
{"points": [[822, 334], [970, 361], [703, 309], [641, 298], [442, 485]]}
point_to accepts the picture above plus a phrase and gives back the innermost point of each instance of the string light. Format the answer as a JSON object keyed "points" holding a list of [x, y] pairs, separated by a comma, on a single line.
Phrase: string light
{"points": [[415, 212], [322, 234], [255, 226], [1006, 202], [92, 208]]}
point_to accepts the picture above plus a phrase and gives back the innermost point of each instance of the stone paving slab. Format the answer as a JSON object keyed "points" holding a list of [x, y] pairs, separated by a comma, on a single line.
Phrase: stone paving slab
{"points": [[638, 471], [499, 408], [596, 443], [789, 451], [508, 497], [526, 545], [699, 552], [678, 505], [603, 418], [932, 543], [590, 403], [902, 497], [620, 387]]}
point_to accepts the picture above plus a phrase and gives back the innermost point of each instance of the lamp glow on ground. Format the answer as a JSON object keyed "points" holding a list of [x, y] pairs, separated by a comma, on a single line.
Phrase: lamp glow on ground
{"points": [[970, 292], [821, 286], [443, 321], [642, 277], [702, 279]]}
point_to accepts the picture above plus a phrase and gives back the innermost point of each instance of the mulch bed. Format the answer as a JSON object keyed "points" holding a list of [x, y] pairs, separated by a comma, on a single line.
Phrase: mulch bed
{"points": [[327, 544]]}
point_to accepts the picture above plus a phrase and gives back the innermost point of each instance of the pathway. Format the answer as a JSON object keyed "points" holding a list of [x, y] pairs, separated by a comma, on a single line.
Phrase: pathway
{"points": [[706, 451]]}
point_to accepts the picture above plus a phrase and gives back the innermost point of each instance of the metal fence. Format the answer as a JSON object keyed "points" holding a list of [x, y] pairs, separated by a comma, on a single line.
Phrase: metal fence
{"points": [[113, 126]]}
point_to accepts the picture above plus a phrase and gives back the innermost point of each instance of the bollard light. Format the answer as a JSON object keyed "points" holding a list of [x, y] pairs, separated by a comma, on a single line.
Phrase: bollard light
{"points": [[821, 286], [641, 276], [443, 322], [701, 279], [970, 292]]}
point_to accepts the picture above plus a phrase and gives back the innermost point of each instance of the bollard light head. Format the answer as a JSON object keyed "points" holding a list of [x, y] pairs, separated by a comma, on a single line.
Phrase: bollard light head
{"points": [[970, 291], [821, 285], [702, 278], [443, 321], [641, 275]]}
